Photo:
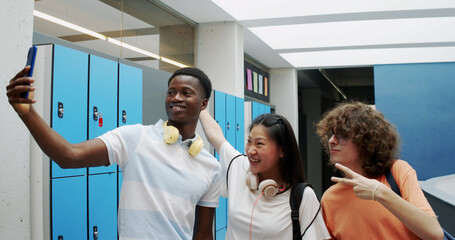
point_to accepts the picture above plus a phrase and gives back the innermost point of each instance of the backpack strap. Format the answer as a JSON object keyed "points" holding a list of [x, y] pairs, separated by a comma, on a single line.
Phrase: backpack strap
{"points": [[294, 200], [392, 182]]}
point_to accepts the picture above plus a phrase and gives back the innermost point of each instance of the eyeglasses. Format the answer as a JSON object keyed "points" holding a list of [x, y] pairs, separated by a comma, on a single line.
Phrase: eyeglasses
{"points": [[339, 139]]}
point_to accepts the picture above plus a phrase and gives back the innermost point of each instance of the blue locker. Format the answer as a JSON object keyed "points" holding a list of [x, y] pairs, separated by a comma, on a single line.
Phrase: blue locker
{"points": [[221, 214], [69, 207], [229, 113], [102, 111], [129, 98], [220, 111], [230, 119], [230, 135], [130, 95], [102, 205], [240, 125], [221, 233], [79, 202], [69, 95], [262, 108], [267, 109], [220, 117], [119, 186], [255, 110]]}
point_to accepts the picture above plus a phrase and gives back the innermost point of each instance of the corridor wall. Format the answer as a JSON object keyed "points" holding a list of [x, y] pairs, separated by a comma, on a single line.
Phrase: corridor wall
{"points": [[419, 99]]}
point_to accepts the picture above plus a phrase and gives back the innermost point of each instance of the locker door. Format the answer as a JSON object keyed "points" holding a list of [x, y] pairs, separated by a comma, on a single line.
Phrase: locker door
{"points": [[130, 95], [255, 109], [119, 187], [267, 109], [240, 125], [220, 111], [220, 117], [262, 107], [221, 233], [69, 94], [69, 207], [230, 119], [102, 112], [230, 137], [102, 206]]}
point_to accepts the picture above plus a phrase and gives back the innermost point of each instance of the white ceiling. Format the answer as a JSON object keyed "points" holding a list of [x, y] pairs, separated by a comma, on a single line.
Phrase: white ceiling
{"points": [[331, 33]]}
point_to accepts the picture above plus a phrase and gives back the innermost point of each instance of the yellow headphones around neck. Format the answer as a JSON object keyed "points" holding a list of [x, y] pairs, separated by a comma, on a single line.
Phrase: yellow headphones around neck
{"points": [[171, 135]]}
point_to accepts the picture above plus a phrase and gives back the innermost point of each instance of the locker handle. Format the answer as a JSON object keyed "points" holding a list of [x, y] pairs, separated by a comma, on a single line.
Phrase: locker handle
{"points": [[124, 116], [60, 113], [238, 127], [95, 232], [96, 114], [60, 237], [228, 126]]}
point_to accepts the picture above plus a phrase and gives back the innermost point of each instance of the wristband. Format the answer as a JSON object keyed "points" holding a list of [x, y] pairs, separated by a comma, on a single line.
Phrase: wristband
{"points": [[372, 195]]}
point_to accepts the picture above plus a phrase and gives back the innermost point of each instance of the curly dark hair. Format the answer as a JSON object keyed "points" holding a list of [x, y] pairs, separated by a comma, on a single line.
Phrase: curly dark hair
{"points": [[280, 131], [376, 137], [197, 73]]}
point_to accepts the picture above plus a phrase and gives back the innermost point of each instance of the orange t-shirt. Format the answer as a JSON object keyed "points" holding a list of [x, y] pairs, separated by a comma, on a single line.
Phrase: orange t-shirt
{"points": [[349, 217]]}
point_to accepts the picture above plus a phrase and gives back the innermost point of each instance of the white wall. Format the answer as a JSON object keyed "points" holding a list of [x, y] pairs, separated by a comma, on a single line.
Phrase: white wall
{"points": [[284, 95], [16, 22], [219, 53]]}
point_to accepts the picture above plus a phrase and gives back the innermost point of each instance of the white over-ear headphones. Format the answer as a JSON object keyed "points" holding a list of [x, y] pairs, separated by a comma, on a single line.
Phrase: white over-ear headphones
{"points": [[269, 187], [171, 135]]}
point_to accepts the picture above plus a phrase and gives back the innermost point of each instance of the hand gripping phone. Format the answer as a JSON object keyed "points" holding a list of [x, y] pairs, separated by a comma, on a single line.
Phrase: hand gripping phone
{"points": [[31, 56]]}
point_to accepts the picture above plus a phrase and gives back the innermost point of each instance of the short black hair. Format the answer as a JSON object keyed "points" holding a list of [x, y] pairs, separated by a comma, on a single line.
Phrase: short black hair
{"points": [[197, 73]]}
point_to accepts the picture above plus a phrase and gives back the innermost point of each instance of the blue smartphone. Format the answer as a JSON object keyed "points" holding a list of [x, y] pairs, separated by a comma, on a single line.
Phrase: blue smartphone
{"points": [[31, 56]]}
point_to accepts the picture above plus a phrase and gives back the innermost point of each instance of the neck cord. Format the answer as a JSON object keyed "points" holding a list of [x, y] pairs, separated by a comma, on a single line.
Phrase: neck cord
{"points": [[251, 222]]}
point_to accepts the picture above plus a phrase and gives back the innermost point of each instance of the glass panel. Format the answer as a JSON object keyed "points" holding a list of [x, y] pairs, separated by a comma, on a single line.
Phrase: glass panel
{"points": [[137, 30]]}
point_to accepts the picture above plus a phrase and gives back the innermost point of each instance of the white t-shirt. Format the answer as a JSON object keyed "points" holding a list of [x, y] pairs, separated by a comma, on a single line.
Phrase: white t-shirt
{"points": [[162, 183], [271, 216]]}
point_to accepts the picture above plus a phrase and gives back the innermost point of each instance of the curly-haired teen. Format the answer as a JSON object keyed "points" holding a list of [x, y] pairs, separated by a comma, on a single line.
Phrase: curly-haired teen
{"points": [[364, 145]]}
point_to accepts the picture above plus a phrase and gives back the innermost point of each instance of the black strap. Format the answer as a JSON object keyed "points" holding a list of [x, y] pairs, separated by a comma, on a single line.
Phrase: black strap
{"points": [[392, 182], [294, 200], [229, 166]]}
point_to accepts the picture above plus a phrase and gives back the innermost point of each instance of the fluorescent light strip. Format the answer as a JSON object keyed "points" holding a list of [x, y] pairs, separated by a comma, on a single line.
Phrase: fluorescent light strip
{"points": [[173, 62], [68, 25], [131, 47], [102, 37]]}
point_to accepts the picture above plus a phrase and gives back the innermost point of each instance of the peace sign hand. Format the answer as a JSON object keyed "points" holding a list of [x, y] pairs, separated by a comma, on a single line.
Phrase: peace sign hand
{"points": [[363, 187]]}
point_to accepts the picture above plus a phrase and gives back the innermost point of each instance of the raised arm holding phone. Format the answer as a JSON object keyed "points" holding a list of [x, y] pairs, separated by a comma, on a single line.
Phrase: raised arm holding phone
{"points": [[150, 207]]}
